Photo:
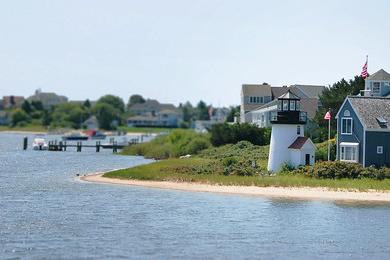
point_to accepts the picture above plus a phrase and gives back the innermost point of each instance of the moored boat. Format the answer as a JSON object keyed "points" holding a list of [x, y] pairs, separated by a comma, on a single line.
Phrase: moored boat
{"points": [[74, 136], [40, 144]]}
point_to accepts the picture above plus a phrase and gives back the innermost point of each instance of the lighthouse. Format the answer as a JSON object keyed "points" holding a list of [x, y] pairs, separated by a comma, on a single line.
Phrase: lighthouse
{"points": [[288, 144]]}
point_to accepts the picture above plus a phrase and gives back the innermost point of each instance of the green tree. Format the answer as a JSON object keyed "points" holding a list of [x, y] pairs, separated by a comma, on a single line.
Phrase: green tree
{"points": [[68, 115], [46, 118], [135, 99], [188, 112], [37, 105], [19, 116], [87, 104], [26, 107], [114, 101], [202, 111], [105, 114], [234, 111]]}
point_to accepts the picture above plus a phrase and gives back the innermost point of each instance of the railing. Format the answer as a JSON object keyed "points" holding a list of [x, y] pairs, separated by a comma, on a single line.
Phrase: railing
{"points": [[288, 117]]}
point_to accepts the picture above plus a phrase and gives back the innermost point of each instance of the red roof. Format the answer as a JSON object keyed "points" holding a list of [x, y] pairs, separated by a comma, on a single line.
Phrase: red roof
{"points": [[298, 143]]}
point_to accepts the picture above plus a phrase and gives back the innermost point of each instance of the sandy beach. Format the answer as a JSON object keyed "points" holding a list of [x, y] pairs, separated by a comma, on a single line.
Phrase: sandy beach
{"points": [[306, 193]]}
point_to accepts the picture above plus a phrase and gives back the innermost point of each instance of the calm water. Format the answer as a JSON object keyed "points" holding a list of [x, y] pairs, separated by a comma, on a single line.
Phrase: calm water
{"points": [[45, 212]]}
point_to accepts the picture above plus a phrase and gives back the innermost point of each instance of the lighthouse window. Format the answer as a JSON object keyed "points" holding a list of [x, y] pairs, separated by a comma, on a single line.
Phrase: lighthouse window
{"points": [[285, 105], [279, 104], [346, 125], [297, 105], [298, 130]]}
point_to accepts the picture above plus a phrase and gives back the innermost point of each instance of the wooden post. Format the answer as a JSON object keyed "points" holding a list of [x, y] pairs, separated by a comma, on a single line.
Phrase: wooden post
{"points": [[64, 145], [60, 145], [25, 143], [114, 147], [97, 146], [78, 145]]}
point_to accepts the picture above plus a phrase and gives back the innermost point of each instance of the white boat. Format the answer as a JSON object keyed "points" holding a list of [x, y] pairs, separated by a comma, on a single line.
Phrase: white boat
{"points": [[40, 144]]}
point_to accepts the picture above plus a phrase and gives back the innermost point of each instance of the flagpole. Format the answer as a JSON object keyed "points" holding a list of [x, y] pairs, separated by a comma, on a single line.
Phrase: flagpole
{"points": [[329, 138]]}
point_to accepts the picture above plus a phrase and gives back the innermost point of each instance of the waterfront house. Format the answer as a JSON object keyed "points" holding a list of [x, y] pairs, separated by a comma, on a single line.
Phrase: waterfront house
{"points": [[378, 84], [4, 118], [91, 123], [48, 99], [363, 130], [12, 102]]}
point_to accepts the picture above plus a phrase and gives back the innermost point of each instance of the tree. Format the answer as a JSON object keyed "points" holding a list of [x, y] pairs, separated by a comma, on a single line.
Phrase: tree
{"points": [[202, 111], [188, 112], [234, 111], [87, 104], [105, 114], [69, 115], [37, 105], [26, 107], [114, 101], [135, 99], [19, 116]]}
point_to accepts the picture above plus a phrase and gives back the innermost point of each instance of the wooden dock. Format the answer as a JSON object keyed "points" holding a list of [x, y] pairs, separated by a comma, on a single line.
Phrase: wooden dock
{"points": [[63, 146]]}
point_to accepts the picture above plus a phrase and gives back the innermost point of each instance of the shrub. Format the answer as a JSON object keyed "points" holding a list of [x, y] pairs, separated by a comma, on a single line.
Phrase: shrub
{"points": [[230, 134]]}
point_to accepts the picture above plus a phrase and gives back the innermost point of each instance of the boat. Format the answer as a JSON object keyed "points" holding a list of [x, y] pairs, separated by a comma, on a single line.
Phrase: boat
{"points": [[75, 136], [40, 144], [95, 135]]}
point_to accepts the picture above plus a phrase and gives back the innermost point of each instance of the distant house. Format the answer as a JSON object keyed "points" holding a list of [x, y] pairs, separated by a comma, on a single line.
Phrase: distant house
{"points": [[48, 99], [309, 98], [363, 130], [12, 102], [4, 118], [253, 96], [378, 84], [217, 116], [91, 123], [154, 114]]}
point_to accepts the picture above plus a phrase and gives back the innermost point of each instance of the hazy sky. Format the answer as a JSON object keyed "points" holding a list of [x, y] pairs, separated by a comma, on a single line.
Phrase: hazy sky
{"points": [[186, 50]]}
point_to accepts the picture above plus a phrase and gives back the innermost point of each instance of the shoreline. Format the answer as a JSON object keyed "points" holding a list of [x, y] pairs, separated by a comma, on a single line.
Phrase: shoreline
{"points": [[301, 193]]}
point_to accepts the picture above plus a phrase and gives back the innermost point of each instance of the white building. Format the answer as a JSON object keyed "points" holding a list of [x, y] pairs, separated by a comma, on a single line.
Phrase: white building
{"points": [[288, 144]]}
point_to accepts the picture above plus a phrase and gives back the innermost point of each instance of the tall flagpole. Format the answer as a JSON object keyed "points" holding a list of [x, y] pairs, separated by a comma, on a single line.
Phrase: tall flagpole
{"points": [[329, 138]]}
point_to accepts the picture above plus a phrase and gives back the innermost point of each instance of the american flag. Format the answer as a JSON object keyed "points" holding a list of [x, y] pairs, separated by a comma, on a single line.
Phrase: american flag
{"points": [[364, 69]]}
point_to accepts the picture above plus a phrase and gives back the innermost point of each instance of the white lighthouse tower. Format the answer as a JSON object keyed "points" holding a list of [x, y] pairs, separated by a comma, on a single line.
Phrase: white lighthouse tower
{"points": [[288, 144]]}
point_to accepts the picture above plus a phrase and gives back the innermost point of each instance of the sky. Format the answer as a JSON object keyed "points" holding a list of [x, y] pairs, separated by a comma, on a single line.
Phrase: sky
{"points": [[185, 50]]}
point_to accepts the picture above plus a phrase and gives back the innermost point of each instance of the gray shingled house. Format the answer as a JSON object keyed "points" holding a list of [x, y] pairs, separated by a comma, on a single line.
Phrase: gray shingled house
{"points": [[363, 130]]}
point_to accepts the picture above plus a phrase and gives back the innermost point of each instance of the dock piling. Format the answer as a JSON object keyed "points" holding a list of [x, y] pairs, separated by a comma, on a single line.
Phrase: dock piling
{"points": [[25, 143]]}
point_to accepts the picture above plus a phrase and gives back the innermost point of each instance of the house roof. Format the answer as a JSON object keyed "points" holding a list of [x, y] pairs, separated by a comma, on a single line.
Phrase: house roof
{"points": [[288, 95], [299, 142], [256, 90], [369, 109], [310, 91], [278, 91], [153, 104], [379, 75]]}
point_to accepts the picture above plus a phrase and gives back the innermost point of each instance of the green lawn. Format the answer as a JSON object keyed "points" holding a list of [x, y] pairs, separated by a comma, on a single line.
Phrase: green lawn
{"points": [[181, 170]]}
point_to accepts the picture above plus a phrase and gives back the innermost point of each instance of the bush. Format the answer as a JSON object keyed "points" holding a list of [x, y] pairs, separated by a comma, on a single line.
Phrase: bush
{"points": [[322, 151], [177, 143], [230, 134], [341, 170]]}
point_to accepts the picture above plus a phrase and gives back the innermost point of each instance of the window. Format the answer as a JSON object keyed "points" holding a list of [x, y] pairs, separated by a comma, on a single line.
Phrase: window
{"points": [[285, 105], [349, 152], [261, 100], [298, 130], [376, 88], [346, 126], [347, 113], [279, 104], [292, 105], [379, 149], [298, 105]]}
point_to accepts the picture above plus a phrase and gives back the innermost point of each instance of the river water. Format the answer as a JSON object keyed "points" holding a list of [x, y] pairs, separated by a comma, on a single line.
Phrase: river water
{"points": [[46, 212]]}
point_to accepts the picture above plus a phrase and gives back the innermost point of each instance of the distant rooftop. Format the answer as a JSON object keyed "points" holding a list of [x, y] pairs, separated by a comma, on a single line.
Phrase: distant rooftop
{"points": [[380, 75]]}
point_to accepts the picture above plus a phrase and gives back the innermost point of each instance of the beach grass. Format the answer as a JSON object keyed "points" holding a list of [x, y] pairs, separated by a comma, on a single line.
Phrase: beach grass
{"points": [[177, 170]]}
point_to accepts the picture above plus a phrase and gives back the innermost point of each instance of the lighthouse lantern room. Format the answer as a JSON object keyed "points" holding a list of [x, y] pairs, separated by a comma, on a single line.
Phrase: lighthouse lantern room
{"points": [[288, 144]]}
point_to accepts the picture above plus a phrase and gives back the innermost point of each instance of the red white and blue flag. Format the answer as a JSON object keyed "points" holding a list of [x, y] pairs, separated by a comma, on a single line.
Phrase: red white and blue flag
{"points": [[364, 73]]}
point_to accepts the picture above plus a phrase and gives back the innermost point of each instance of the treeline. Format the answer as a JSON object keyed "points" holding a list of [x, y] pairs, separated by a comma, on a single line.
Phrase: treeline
{"points": [[332, 98], [109, 110]]}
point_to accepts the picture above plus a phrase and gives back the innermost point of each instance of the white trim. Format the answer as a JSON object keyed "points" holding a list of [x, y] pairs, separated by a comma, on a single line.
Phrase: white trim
{"points": [[349, 144], [346, 133], [364, 148], [354, 151]]}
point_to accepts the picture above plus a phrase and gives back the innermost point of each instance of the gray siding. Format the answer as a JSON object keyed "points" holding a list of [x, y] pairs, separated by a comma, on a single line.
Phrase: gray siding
{"points": [[357, 131], [374, 139]]}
